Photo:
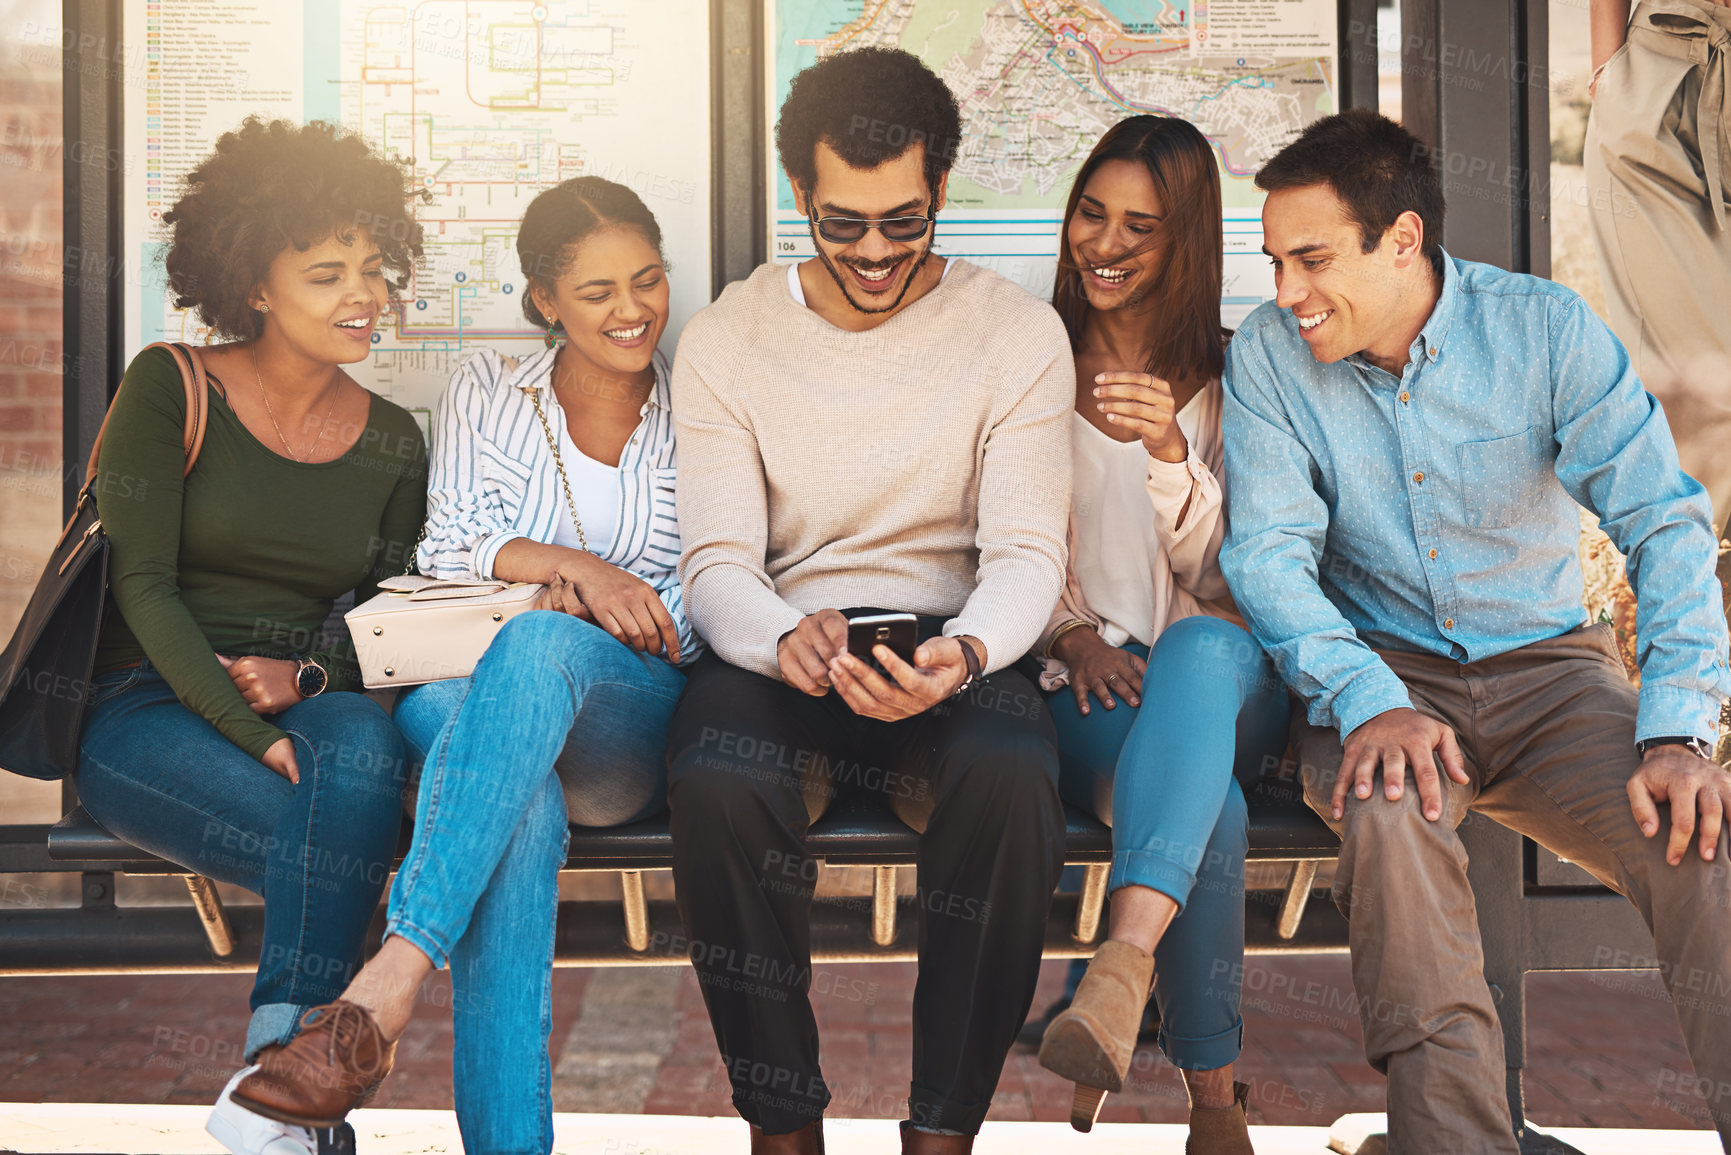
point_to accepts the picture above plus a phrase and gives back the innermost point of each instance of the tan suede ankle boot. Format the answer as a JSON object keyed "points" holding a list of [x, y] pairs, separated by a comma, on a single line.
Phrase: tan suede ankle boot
{"points": [[1091, 1043], [1221, 1130]]}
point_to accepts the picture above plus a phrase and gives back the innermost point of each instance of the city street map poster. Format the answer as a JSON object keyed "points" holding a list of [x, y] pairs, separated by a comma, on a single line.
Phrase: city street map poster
{"points": [[1038, 81], [493, 100]]}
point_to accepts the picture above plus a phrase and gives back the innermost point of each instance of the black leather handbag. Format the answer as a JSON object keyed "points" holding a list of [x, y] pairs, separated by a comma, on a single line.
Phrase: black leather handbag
{"points": [[45, 668]]}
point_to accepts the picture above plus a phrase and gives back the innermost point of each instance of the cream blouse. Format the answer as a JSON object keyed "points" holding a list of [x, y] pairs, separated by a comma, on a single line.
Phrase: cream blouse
{"points": [[1130, 575]]}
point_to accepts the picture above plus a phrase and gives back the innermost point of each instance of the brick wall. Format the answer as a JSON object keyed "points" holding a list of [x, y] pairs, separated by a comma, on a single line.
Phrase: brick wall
{"points": [[31, 239]]}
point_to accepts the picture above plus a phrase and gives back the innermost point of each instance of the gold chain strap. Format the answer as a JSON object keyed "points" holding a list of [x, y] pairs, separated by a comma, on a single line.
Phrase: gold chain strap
{"points": [[415, 553], [559, 464]]}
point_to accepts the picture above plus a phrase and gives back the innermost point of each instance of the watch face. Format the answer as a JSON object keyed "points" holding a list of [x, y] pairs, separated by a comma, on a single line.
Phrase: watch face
{"points": [[311, 680]]}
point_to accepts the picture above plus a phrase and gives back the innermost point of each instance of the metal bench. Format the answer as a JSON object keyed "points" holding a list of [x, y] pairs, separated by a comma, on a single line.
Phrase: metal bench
{"points": [[101, 937]]}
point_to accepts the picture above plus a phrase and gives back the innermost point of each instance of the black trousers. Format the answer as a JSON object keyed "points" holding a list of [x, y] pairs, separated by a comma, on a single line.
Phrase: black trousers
{"points": [[751, 763]]}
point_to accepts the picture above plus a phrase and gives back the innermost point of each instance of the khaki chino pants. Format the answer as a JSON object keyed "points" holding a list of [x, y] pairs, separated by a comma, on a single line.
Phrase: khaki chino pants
{"points": [[1658, 161], [1548, 735]]}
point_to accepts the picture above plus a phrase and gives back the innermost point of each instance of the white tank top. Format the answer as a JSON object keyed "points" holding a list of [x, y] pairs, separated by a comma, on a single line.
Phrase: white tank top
{"points": [[595, 492]]}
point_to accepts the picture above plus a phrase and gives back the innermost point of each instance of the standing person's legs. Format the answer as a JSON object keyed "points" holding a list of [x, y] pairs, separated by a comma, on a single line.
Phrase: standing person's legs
{"points": [[977, 777], [1562, 719], [749, 767], [164, 779], [1417, 963], [1665, 259]]}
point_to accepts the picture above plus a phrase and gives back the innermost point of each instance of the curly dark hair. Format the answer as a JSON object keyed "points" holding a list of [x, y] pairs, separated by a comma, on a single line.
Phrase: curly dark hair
{"points": [[871, 105], [561, 217], [270, 185]]}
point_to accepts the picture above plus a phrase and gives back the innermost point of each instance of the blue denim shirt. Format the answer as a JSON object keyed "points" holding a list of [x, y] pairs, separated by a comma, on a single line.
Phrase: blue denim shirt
{"points": [[1434, 512]]}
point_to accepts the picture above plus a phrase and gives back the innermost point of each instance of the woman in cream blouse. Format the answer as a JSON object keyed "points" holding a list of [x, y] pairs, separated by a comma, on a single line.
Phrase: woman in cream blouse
{"points": [[1156, 688]]}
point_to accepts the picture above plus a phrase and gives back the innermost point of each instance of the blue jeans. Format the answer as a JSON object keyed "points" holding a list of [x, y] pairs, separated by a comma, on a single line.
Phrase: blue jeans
{"points": [[556, 709], [161, 777], [1163, 777]]}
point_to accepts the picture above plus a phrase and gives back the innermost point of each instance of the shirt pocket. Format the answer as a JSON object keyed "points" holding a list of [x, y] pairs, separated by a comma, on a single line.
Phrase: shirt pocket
{"points": [[1501, 479], [503, 470]]}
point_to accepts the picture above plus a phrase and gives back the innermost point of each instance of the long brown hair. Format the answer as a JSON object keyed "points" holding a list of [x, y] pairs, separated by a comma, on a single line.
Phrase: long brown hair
{"points": [[1188, 342]]}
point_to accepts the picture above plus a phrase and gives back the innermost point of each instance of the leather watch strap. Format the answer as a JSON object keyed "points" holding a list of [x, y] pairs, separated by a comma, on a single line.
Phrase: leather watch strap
{"points": [[973, 663]]}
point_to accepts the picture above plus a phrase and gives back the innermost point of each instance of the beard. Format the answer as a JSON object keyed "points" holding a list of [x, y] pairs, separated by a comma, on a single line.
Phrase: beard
{"points": [[873, 266]]}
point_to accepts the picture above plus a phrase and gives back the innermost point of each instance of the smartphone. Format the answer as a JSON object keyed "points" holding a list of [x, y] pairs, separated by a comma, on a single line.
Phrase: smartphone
{"points": [[900, 632]]}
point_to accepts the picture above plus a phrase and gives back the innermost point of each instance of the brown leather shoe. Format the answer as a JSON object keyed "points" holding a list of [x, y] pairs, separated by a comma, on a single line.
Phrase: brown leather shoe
{"points": [[337, 1060], [918, 1142], [808, 1140]]}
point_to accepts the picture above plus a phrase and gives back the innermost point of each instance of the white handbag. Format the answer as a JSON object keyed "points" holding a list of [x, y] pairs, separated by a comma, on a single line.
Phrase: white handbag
{"points": [[421, 629]]}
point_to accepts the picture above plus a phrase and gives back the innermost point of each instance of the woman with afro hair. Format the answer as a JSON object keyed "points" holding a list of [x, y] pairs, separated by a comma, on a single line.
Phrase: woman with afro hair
{"points": [[223, 733]]}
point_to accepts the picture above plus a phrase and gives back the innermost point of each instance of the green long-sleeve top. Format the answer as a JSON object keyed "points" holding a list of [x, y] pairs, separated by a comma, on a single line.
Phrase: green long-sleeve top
{"points": [[248, 552]]}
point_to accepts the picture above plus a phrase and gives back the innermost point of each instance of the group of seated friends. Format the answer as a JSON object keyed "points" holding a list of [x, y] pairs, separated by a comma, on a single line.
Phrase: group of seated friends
{"points": [[1147, 557]]}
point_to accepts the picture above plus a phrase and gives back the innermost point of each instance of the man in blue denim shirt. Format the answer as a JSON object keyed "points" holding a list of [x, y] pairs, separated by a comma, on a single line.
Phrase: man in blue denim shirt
{"points": [[1407, 436]]}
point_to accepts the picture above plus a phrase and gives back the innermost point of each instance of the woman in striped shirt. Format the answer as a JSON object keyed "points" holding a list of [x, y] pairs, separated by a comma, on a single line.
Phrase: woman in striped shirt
{"points": [[558, 470]]}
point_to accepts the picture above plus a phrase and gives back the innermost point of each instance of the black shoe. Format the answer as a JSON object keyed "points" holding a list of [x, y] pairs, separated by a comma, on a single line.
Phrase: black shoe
{"points": [[336, 1140]]}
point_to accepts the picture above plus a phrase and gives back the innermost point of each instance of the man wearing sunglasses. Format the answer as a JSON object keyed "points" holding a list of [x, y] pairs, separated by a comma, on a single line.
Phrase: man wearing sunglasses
{"points": [[876, 430]]}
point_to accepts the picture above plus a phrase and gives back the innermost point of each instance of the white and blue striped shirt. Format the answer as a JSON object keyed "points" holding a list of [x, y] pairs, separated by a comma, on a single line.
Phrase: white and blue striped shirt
{"points": [[492, 480]]}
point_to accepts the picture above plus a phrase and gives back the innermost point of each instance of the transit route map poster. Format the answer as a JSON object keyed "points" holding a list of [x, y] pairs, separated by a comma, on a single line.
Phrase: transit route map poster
{"points": [[494, 100], [1038, 82]]}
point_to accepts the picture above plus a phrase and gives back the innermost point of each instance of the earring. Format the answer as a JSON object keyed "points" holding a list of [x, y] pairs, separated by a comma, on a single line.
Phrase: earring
{"points": [[552, 333], [263, 308]]}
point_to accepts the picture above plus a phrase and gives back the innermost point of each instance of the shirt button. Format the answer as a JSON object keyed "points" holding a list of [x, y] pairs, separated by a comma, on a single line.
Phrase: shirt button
{"points": [[1433, 351], [1433, 555], [1448, 623], [1405, 397], [1418, 477]]}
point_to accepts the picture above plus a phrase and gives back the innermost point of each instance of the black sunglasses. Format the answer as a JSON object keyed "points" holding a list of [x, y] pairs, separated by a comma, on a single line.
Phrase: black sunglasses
{"points": [[849, 230]]}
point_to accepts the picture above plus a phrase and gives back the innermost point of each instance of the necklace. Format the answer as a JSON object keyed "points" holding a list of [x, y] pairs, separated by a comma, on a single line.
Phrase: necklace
{"points": [[323, 425]]}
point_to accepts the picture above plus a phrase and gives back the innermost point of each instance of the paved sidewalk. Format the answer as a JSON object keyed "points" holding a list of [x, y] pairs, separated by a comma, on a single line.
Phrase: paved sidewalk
{"points": [[66, 1130], [1604, 1049]]}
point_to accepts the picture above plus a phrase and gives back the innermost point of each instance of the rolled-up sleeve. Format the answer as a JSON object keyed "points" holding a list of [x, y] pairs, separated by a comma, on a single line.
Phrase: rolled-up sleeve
{"points": [[1616, 456], [1276, 525], [1189, 519]]}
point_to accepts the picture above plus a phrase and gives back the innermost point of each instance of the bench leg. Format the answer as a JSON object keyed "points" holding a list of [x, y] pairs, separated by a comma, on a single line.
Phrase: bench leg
{"points": [[1092, 902], [884, 905], [1297, 897], [636, 910], [208, 903], [1496, 866]]}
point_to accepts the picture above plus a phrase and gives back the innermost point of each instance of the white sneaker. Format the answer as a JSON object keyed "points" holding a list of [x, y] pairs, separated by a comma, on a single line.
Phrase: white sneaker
{"points": [[246, 1133]]}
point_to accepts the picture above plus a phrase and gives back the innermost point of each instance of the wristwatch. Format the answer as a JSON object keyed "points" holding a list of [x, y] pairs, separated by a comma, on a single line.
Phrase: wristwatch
{"points": [[973, 662], [311, 678], [1696, 745]]}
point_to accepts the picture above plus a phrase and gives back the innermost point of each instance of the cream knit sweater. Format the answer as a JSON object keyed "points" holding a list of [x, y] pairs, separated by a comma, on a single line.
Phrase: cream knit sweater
{"points": [[923, 465]]}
